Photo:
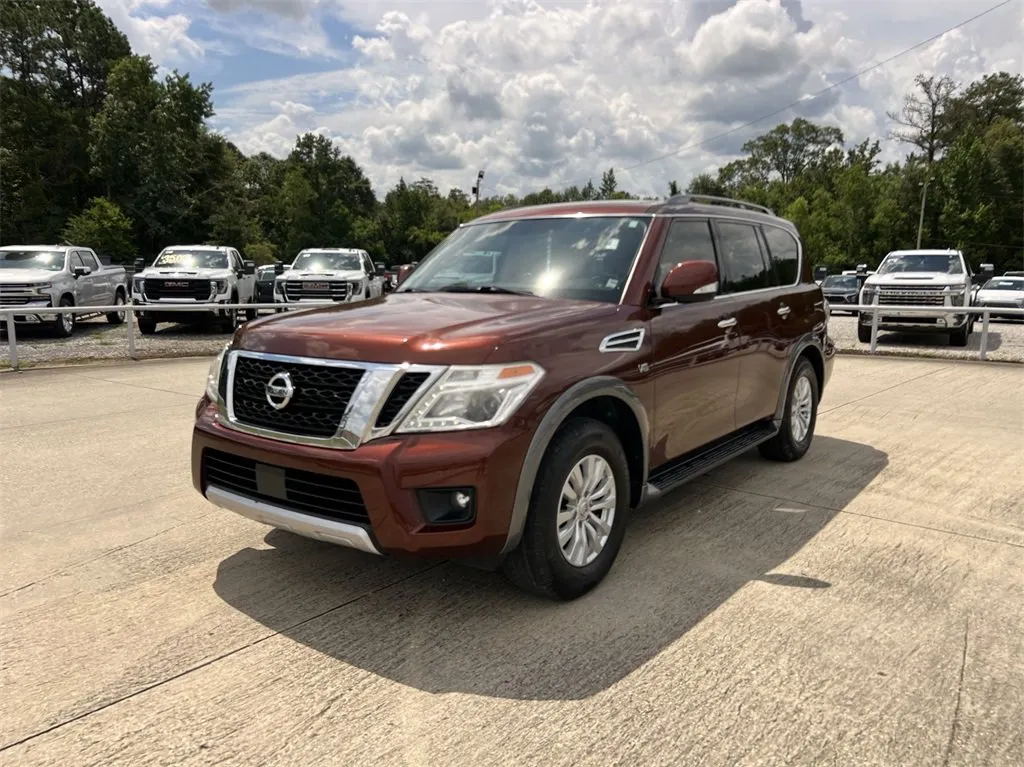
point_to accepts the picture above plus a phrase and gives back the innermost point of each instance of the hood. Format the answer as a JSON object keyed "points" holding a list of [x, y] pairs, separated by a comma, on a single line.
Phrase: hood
{"points": [[917, 279], [429, 328], [169, 272], [295, 276], [8, 276]]}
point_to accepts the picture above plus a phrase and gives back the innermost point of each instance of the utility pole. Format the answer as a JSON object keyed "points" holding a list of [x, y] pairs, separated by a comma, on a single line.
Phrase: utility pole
{"points": [[920, 221], [476, 189]]}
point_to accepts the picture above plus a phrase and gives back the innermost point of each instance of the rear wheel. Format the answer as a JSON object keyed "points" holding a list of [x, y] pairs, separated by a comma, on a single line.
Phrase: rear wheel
{"points": [[117, 318], [799, 417], [64, 324], [578, 514]]}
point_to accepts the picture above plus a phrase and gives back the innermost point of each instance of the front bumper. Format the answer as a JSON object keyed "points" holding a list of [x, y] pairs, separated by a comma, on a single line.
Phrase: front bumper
{"points": [[388, 472], [151, 310], [892, 320], [26, 304]]}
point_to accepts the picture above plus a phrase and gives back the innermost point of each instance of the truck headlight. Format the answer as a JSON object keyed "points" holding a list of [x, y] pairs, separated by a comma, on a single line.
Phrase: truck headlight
{"points": [[220, 286], [218, 368], [956, 298], [473, 397], [139, 285], [867, 296]]}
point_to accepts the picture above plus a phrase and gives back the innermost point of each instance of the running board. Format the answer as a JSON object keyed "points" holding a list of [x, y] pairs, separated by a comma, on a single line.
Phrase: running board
{"points": [[691, 466]]}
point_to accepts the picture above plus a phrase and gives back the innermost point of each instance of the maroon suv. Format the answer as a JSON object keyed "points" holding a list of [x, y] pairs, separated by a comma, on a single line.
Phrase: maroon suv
{"points": [[514, 419]]}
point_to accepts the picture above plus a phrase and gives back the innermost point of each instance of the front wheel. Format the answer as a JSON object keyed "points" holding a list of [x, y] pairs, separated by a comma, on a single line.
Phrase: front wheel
{"points": [[229, 322], [64, 324], [960, 336], [577, 516], [799, 418], [863, 333]]}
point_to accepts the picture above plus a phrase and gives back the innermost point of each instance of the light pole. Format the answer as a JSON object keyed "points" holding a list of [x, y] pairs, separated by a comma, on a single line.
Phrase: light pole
{"points": [[476, 189], [920, 221]]}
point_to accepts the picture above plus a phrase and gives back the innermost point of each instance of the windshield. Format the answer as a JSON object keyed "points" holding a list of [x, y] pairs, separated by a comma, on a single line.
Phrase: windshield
{"points": [[922, 262], [192, 259], [848, 281], [50, 260], [325, 261], [586, 258], [1001, 283]]}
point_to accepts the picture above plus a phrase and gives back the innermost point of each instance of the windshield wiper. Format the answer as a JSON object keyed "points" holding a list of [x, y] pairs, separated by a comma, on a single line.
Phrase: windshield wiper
{"points": [[462, 287]]}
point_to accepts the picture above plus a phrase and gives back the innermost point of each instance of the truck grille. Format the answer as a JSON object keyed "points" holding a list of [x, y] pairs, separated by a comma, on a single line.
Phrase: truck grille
{"points": [[328, 290], [156, 289], [322, 495], [404, 391], [7, 300], [911, 297], [322, 394]]}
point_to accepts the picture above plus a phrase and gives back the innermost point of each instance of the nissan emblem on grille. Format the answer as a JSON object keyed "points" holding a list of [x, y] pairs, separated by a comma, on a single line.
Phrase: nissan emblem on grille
{"points": [[280, 390]]}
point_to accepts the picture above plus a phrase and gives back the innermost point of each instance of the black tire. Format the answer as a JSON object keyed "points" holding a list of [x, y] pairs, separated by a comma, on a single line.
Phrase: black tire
{"points": [[538, 564], [863, 333], [64, 324], [229, 324], [147, 327], [784, 446], [251, 314], [117, 318], [960, 337]]}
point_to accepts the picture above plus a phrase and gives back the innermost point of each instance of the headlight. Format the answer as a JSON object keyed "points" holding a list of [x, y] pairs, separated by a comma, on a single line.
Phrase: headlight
{"points": [[473, 397], [220, 286], [140, 284], [214, 374], [956, 297], [867, 295]]}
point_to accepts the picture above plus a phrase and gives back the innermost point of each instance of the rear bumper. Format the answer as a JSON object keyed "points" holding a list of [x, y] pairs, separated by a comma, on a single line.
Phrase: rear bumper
{"points": [[389, 472]]}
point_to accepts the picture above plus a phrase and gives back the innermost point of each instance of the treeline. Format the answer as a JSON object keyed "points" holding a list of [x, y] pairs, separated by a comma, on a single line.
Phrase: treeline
{"points": [[95, 148]]}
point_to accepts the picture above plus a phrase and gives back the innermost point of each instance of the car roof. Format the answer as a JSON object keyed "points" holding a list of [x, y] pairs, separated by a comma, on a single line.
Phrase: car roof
{"points": [[692, 205], [927, 252], [41, 247], [1009, 277], [197, 247], [333, 250]]}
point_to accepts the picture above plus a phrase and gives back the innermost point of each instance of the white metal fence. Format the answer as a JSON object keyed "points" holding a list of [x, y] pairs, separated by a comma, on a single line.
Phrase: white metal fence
{"points": [[875, 310]]}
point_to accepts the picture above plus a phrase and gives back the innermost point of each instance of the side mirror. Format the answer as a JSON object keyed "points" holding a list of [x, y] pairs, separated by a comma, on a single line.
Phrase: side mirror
{"points": [[988, 270], [278, 267], [140, 264], [690, 282], [81, 271], [249, 267]]}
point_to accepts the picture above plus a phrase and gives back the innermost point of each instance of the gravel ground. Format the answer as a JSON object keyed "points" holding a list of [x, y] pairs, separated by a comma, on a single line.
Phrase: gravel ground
{"points": [[95, 340]]}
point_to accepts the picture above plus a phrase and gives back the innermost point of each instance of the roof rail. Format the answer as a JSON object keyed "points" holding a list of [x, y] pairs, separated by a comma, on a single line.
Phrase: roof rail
{"points": [[682, 199]]}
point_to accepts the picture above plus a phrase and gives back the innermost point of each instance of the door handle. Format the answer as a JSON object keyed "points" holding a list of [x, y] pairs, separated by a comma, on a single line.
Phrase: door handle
{"points": [[729, 323], [783, 310]]}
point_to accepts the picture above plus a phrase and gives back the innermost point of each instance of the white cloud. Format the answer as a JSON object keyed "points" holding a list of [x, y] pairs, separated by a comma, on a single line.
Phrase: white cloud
{"points": [[165, 38], [554, 92]]}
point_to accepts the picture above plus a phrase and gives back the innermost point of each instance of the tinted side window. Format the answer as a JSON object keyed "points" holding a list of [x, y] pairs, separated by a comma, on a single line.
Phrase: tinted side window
{"points": [[88, 260], [742, 261], [785, 254], [688, 239], [76, 260]]}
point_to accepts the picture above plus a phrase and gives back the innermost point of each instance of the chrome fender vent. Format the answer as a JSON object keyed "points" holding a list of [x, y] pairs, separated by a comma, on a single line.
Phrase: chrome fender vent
{"points": [[625, 341]]}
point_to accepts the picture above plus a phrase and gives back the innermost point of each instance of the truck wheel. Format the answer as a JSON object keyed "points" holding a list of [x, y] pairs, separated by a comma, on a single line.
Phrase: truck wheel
{"points": [[64, 324], [251, 314], [863, 333], [117, 318], [577, 516], [229, 324], [147, 327], [799, 419], [959, 337]]}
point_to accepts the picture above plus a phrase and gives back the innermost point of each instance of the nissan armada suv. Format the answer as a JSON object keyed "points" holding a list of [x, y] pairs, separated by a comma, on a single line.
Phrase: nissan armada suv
{"points": [[617, 350]]}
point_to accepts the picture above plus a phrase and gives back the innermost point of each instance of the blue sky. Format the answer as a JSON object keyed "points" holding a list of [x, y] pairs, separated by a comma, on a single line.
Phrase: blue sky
{"points": [[552, 92]]}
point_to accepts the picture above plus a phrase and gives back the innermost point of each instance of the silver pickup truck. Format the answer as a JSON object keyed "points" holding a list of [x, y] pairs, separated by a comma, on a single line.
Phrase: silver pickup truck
{"points": [[36, 276]]}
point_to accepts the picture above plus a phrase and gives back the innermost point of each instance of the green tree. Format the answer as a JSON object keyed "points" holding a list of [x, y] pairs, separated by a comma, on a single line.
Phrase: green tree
{"points": [[104, 228], [609, 186]]}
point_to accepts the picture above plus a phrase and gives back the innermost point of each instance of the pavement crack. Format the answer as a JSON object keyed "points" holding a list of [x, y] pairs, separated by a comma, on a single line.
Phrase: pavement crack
{"points": [[197, 667], [938, 369], [955, 724]]}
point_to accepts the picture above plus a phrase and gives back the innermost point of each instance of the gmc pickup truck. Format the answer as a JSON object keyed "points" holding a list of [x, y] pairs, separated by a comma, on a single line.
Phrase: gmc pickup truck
{"points": [[342, 275], [194, 274], [59, 275], [617, 350]]}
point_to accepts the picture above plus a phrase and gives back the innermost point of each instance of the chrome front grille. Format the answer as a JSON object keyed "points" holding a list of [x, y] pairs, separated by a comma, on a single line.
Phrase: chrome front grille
{"points": [[332, 403], [307, 290], [911, 297]]}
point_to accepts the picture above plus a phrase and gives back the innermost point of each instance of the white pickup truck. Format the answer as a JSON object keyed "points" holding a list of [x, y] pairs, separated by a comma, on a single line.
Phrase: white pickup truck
{"points": [[919, 278], [343, 275], [194, 274], [59, 275]]}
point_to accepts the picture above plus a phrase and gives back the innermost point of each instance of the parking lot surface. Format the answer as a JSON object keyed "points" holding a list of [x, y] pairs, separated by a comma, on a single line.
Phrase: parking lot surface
{"points": [[860, 607]]}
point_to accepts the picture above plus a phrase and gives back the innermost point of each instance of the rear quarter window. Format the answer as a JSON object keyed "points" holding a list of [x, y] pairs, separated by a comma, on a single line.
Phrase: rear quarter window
{"points": [[785, 254]]}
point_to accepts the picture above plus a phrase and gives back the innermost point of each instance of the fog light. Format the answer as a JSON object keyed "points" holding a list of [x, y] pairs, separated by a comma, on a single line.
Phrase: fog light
{"points": [[447, 505]]}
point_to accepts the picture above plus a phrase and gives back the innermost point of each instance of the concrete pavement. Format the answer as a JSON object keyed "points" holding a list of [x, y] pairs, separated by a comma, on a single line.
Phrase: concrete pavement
{"points": [[860, 607]]}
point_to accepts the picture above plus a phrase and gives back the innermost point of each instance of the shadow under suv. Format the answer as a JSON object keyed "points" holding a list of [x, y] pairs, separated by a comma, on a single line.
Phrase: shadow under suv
{"points": [[616, 350]]}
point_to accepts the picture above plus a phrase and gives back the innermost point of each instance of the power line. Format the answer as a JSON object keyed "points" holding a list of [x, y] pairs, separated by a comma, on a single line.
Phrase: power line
{"points": [[813, 96]]}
